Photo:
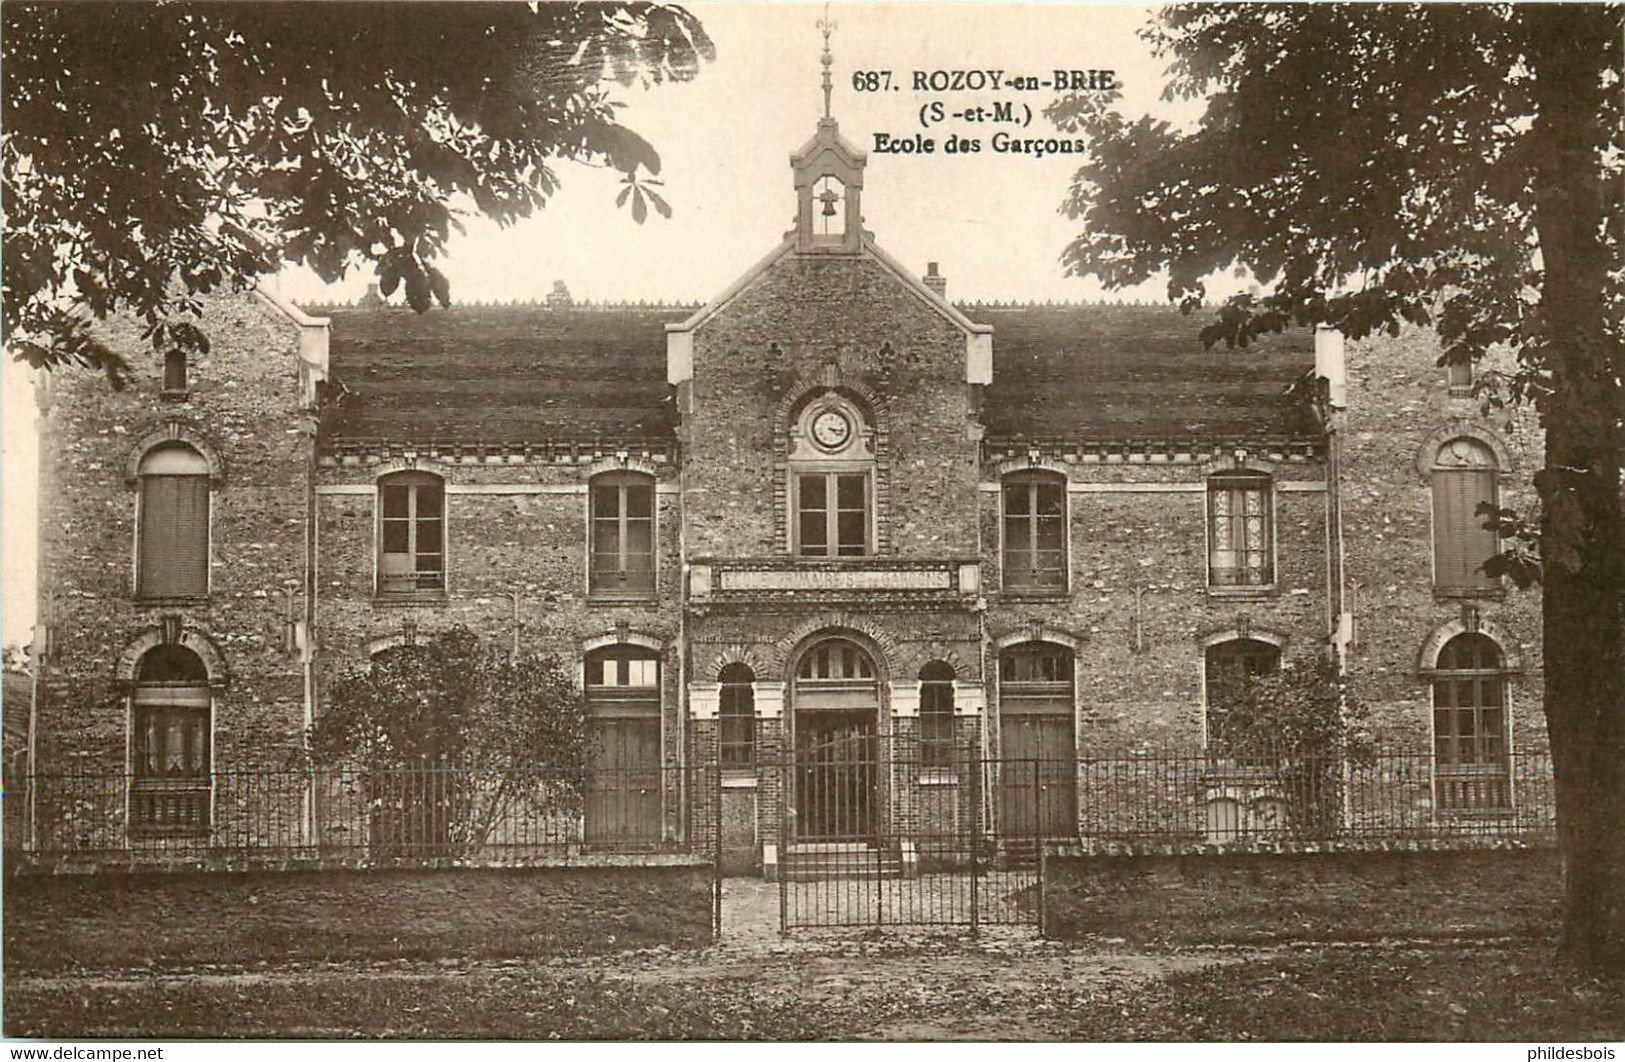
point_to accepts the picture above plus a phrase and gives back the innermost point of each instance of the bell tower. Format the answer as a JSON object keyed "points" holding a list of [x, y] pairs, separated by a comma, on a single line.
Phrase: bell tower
{"points": [[829, 181]]}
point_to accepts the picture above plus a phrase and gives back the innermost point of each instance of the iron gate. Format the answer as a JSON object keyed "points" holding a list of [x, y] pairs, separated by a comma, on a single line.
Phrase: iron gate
{"points": [[866, 839]]}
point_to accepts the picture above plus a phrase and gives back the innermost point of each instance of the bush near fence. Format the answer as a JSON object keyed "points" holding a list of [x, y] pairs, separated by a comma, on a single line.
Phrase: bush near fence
{"points": [[111, 920]]}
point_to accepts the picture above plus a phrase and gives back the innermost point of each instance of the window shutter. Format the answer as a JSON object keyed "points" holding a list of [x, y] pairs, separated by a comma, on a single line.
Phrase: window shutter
{"points": [[1461, 543], [173, 559], [1478, 487]]}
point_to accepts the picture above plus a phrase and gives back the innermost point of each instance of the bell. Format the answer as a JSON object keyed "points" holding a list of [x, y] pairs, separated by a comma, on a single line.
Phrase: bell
{"points": [[829, 207]]}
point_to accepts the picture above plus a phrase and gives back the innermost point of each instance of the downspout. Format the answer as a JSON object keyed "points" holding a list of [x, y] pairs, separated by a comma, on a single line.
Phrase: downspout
{"points": [[685, 759], [312, 357], [1332, 372], [43, 607]]}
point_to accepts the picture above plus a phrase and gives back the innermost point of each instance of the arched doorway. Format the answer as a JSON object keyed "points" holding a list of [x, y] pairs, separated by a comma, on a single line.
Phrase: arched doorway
{"points": [[623, 777], [836, 699], [1039, 765]]}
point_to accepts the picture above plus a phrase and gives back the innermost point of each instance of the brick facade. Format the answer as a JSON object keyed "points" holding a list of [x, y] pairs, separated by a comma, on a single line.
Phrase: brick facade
{"points": [[919, 380]]}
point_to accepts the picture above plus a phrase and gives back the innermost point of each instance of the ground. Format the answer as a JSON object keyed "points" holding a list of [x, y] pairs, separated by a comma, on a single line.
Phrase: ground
{"points": [[891, 985]]}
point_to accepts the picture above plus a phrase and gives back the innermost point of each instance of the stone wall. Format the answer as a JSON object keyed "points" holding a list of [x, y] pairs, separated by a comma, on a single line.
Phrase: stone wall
{"points": [[1138, 610], [237, 919], [243, 410], [1303, 895], [1399, 400]]}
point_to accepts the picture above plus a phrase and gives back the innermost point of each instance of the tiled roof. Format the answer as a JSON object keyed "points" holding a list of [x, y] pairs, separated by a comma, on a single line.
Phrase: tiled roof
{"points": [[500, 374], [1136, 372], [513, 374]]}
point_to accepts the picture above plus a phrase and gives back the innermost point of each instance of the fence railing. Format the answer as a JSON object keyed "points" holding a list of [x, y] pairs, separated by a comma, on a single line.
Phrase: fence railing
{"points": [[436, 812], [1384, 795], [513, 816]]}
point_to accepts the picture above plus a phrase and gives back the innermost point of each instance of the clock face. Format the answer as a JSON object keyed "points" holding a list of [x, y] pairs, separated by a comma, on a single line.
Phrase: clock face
{"points": [[831, 429]]}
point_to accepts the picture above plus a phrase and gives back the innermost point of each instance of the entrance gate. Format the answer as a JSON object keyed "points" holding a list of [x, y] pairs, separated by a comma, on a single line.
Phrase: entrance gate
{"points": [[932, 857]]}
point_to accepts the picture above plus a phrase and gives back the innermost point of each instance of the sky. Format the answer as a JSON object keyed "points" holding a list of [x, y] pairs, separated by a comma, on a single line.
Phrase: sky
{"points": [[991, 220]]}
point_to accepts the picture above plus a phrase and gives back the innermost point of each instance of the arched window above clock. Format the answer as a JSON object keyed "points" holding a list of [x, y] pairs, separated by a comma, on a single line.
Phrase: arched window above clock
{"points": [[831, 478]]}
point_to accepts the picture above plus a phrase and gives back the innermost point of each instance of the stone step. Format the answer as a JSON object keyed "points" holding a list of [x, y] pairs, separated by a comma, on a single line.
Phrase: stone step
{"points": [[822, 861]]}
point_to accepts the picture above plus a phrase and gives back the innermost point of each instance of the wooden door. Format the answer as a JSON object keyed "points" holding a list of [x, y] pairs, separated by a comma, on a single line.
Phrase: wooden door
{"points": [[1037, 775], [623, 781]]}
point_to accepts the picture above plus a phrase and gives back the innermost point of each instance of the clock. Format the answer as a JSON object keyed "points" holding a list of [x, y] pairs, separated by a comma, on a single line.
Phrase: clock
{"points": [[831, 429]]}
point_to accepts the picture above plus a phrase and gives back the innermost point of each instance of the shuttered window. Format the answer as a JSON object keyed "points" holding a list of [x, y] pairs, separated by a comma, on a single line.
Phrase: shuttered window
{"points": [[1463, 478], [172, 558], [1034, 532], [623, 536], [1241, 531], [412, 534]]}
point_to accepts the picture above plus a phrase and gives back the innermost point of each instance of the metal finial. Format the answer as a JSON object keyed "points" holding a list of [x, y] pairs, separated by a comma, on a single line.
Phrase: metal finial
{"points": [[828, 60]]}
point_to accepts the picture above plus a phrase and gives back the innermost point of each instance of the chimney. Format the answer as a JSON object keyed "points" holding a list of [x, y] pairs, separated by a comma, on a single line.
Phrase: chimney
{"points": [[936, 281], [1330, 365]]}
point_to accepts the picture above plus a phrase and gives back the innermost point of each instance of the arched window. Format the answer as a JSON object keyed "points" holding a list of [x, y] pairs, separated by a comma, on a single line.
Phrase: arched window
{"points": [[829, 207], [1469, 725], [411, 534], [172, 557], [937, 715], [836, 659], [1034, 531], [1463, 478], [1241, 530], [1229, 668], [737, 713], [170, 743], [832, 479], [623, 535]]}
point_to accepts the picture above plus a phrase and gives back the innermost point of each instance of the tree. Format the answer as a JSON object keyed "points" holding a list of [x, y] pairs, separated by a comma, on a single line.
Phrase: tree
{"points": [[1452, 166], [154, 153], [450, 736], [1303, 725]]}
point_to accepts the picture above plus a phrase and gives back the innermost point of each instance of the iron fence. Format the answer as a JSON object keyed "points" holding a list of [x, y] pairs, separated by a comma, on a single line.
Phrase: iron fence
{"points": [[874, 814], [867, 837], [1382, 795], [474, 815]]}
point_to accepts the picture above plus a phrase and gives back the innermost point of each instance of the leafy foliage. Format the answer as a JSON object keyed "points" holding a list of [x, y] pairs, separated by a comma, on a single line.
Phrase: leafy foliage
{"points": [[1372, 166], [1304, 710], [1302, 724], [1459, 167], [450, 734], [154, 153]]}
